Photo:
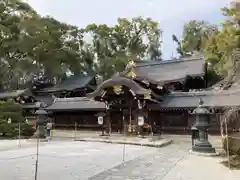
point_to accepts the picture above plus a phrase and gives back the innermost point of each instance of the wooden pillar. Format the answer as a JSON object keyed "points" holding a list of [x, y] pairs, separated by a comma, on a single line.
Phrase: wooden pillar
{"points": [[109, 125]]}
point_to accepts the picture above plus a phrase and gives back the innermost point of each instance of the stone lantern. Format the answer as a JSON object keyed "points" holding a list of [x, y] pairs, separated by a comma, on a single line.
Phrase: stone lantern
{"points": [[40, 122], [202, 123]]}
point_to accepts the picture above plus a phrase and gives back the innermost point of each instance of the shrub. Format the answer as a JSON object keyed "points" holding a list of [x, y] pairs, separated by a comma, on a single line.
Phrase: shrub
{"points": [[8, 130], [27, 130], [11, 110], [233, 144]]}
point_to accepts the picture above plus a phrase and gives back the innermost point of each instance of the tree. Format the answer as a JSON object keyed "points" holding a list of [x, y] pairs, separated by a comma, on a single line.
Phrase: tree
{"points": [[31, 43], [10, 117], [12, 13], [222, 48], [195, 35], [114, 46], [140, 37]]}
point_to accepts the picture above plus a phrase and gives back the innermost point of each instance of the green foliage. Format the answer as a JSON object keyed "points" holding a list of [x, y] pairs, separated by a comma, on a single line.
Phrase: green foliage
{"points": [[30, 42], [195, 35], [114, 46], [233, 144], [218, 45], [212, 77], [11, 110], [27, 130]]}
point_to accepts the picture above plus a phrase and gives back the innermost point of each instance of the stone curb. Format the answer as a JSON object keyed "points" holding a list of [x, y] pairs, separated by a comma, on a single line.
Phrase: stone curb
{"points": [[165, 143]]}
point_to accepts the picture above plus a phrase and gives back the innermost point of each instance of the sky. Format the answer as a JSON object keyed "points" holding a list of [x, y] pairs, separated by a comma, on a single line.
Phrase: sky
{"points": [[171, 14]]}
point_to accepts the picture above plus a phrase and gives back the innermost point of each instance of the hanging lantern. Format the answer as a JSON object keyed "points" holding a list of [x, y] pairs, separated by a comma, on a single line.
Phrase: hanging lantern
{"points": [[117, 89], [140, 120], [129, 128], [100, 120], [9, 120]]}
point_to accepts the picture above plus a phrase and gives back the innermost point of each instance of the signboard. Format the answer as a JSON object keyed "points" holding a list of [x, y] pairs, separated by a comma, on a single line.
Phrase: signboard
{"points": [[100, 120], [140, 120]]}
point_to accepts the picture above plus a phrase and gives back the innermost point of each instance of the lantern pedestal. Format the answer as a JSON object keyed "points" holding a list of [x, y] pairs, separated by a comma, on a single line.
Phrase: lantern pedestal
{"points": [[202, 144], [41, 132], [203, 147]]}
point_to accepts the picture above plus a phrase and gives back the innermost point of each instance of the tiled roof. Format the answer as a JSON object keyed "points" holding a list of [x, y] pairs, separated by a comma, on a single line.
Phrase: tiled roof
{"points": [[77, 103], [171, 70], [13, 94], [118, 80], [211, 99], [46, 99], [74, 82]]}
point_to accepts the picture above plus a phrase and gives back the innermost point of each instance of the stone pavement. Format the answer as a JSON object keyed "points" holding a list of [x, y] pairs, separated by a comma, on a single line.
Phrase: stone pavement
{"points": [[97, 161], [95, 137], [7, 144], [174, 163], [16, 144]]}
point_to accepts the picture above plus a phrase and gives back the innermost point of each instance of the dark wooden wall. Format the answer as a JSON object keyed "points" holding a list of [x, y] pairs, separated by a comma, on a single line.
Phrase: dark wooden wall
{"points": [[67, 120]]}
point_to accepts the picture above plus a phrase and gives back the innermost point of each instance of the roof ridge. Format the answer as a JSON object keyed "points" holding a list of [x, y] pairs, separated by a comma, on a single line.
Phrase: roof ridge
{"points": [[169, 61], [72, 99], [206, 93]]}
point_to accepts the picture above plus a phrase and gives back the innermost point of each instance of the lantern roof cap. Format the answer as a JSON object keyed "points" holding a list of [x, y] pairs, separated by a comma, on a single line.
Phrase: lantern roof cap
{"points": [[200, 109], [41, 112]]}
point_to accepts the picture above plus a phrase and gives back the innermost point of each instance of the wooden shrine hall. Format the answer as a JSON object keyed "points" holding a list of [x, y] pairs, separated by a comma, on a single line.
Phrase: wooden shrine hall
{"points": [[141, 89], [162, 92]]}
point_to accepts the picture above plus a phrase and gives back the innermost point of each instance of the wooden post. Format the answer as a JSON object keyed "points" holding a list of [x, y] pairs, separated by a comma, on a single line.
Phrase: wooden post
{"points": [[75, 130], [37, 154], [130, 116], [226, 129], [109, 125], [124, 125], [19, 134], [124, 144]]}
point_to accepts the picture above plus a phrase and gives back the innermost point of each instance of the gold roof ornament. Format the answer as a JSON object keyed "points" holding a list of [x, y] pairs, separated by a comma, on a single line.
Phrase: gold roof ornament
{"points": [[131, 74], [147, 96], [131, 69], [145, 82], [117, 89], [160, 87], [131, 64]]}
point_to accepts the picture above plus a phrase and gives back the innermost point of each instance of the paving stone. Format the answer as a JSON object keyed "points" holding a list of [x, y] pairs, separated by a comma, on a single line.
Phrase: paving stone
{"points": [[98, 161]]}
